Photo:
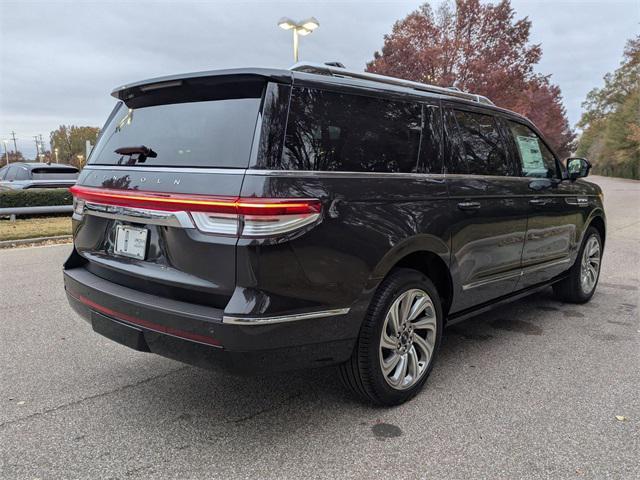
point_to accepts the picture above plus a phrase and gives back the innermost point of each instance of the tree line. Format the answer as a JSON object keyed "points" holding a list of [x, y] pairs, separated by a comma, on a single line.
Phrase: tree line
{"points": [[484, 49], [67, 144], [611, 120]]}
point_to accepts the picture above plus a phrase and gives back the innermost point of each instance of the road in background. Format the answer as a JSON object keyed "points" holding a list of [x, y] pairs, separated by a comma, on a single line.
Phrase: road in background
{"points": [[530, 390]]}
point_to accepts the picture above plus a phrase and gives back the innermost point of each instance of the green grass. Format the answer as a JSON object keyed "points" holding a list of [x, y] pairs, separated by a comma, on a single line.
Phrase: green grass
{"points": [[34, 228]]}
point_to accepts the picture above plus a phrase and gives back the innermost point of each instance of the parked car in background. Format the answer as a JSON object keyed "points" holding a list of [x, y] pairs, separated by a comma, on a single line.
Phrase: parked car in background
{"points": [[24, 175], [269, 220]]}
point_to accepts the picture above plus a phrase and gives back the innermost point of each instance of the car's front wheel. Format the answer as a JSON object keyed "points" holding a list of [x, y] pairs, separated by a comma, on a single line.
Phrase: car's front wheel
{"points": [[580, 285], [398, 341]]}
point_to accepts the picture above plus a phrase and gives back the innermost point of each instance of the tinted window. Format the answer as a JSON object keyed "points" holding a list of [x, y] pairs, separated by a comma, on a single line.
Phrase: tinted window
{"points": [[333, 131], [214, 133], [22, 173], [480, 149], [431, 147], [11, 173], [536, 159], [16, 172]]}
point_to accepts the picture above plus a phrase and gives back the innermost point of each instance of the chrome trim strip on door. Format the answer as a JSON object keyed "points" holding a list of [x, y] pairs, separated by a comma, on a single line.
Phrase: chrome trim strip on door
{"points": [[139, 215], [283, 318], [480, 283], [552, 263], [519, 273]]}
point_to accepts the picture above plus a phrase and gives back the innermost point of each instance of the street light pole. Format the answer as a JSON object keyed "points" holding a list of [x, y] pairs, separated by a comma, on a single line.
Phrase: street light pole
{"points": [[55, 150], [295, 45], [305, 27], [6, 154]]}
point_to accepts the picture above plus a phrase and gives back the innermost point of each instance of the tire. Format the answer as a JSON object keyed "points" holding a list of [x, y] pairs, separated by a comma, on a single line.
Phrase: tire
{"points": [[572, 289], [363, 373]]}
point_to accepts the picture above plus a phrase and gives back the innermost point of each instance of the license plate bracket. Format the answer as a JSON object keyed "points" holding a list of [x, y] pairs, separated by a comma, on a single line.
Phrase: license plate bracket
{"points": [[131, 242]]}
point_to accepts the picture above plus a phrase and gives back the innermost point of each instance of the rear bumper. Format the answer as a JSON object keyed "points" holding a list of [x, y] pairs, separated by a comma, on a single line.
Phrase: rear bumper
{"points": [[202, 335]]}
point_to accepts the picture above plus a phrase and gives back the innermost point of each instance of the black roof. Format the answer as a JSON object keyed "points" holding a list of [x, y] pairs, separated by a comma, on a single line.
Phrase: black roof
{"points": [[286, 76], [42, 165]]}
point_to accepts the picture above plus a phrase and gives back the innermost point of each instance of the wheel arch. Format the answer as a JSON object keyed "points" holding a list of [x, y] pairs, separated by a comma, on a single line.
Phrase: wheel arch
{"points": [[428, 255], [597, 222]]}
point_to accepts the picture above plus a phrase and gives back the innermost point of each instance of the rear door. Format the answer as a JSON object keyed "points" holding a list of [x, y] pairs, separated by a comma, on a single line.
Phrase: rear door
{"points": [[135, 223], [488, 217]]}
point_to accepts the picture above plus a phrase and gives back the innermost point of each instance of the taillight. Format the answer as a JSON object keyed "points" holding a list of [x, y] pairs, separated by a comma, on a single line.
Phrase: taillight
{"points": [[238, 216]]}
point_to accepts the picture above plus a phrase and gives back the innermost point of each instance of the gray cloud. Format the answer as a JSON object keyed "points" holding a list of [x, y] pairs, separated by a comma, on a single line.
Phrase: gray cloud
{"points": [[61, 59]]}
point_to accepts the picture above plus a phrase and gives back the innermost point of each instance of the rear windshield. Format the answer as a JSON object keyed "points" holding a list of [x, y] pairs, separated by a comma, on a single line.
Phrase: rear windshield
{"points": [[215, 133]]}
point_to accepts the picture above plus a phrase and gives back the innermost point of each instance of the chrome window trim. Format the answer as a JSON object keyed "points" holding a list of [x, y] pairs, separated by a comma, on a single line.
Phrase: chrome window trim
{"points": [[340, 174], [251, 321], [138, 169], [268, 173]]}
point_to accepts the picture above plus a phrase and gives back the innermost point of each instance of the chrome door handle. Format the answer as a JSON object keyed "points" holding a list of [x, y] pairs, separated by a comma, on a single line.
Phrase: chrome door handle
{"points": [[538, 202], [469, 205]]}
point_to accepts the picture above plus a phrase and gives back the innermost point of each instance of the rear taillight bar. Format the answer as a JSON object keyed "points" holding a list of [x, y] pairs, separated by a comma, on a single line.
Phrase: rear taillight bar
{"points": [[256, 217]]}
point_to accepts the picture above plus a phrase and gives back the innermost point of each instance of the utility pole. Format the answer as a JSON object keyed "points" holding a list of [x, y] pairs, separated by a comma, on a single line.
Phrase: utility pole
{"points": [[42, 149], [15, 145], [35, 137]]}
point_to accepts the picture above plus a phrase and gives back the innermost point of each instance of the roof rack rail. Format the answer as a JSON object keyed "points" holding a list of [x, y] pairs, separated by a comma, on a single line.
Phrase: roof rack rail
{"points": [[333, 70]]}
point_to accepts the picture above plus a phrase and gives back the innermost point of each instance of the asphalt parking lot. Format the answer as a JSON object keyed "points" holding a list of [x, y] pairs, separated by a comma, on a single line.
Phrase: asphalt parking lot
{"points": [[536, 389]]}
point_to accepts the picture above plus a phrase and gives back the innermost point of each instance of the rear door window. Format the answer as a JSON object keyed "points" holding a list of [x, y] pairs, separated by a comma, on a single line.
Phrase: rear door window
{"points": [[215, 133], [329, 131], [536, 160], [479, 148]]}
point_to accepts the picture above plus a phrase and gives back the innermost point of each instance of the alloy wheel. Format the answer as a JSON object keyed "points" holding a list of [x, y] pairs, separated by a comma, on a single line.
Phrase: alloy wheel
{"points": [[408, 339], [590, 266]]}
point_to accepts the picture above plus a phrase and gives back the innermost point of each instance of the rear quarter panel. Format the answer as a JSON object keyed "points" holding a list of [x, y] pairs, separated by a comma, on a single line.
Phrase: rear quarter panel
{"points": [[368, 223]]}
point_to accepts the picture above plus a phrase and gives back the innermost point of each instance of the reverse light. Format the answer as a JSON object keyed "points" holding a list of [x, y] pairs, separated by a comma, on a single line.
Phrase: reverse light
{"points": [[78, 206], [222, 215]]}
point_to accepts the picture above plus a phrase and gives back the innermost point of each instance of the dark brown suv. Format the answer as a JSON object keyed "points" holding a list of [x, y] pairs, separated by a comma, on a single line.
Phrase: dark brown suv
{"points": [[268, 220]]}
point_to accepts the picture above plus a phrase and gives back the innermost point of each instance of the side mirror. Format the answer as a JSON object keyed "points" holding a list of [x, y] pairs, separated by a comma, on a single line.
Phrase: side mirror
{"points": [[577, 167]]}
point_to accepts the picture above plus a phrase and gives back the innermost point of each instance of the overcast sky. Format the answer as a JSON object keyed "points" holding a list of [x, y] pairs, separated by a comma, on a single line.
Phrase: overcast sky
{"points": [[61, 59]]}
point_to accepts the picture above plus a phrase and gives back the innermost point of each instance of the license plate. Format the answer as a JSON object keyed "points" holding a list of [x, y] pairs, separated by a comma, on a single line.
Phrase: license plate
{"points": [[131, 242]]}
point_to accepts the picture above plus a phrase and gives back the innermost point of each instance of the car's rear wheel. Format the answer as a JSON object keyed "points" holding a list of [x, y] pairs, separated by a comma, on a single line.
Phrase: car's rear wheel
{"points": [[581, 283], [398, 341]]}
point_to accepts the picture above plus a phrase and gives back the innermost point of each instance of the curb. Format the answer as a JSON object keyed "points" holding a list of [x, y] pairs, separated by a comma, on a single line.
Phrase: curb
{"points": [[32, 241]]}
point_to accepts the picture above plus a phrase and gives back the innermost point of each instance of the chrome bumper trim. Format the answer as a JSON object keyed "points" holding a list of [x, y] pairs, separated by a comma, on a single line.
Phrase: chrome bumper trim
{"points": [[139, 215], [283, 318]]}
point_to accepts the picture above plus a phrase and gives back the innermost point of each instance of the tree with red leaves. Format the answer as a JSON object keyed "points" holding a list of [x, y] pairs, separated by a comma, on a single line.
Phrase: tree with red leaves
{"points": [[480, 48]]}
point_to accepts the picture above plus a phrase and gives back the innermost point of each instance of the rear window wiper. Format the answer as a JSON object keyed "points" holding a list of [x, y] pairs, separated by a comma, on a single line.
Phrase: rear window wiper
{"points": [[142, 153]]}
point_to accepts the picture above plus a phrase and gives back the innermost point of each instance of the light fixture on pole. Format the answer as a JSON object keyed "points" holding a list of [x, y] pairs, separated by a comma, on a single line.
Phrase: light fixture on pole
{"points": [[6, 154], [305, 27]]}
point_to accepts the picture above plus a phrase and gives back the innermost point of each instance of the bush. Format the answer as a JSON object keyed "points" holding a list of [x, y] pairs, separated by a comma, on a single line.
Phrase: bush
{"points": [[35, 197]]}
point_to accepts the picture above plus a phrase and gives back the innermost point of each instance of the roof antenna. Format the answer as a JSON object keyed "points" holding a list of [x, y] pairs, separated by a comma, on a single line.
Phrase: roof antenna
{"points": [[334, 64]]}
